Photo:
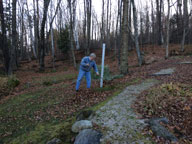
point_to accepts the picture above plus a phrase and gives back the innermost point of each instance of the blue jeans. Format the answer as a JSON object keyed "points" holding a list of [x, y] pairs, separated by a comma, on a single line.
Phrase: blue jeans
{"points": [[83, 73]]}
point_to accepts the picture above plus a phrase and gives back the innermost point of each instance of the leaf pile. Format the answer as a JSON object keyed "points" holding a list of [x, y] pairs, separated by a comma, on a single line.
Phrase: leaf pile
{"points": [[173, 101]]}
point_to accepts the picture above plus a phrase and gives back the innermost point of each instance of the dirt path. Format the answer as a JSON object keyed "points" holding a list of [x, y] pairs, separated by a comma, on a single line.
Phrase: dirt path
{"points": [[121, 122]]}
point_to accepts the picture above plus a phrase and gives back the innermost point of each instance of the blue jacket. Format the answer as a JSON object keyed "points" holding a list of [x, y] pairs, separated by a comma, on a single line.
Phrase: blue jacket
{"points": [[85, 61]]}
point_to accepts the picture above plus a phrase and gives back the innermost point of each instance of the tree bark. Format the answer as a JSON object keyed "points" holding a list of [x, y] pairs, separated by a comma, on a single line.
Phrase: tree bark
{"points": [[42, 42], [124, 42], [71, 33], [185, 15], [140, 61], [3, 39], [167, 25], [12, 62], [89, 8]]}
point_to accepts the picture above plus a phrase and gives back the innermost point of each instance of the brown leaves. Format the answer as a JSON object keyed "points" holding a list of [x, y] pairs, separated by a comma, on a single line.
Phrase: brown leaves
{"points": [[172, 101]]}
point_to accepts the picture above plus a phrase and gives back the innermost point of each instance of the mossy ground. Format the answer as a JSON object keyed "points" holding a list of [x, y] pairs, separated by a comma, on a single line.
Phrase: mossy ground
{"points": [[24, 118]]}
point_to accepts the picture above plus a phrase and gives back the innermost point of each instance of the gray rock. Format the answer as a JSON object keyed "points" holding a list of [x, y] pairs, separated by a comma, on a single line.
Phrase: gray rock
{"points": [[80, 125], [168, 71], [54, 141], [160, 130], [88, 136], [84, 115], [186, 62]]}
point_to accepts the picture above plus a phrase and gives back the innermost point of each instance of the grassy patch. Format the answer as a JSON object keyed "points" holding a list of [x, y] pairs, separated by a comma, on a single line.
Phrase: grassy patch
{"points": [[50, 80], [13, 82], [19, 115], [105, 88], [44, 132], [57, 79], [7, 84]]}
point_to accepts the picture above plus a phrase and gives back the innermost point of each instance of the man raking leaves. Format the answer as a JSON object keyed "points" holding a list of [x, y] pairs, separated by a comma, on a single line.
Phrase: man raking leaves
{"points": [[87, 63]]}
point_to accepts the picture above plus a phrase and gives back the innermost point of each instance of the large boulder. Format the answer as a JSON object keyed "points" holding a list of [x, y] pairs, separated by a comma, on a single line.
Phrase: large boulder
{"points": [[88, 136], [54, 141], [84, 115], [160, 130], [80, 125]]}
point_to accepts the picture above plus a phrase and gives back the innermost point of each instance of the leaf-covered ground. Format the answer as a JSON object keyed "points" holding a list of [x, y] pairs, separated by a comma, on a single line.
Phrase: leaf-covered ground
{"points": [[173, 101], [45, 103]]}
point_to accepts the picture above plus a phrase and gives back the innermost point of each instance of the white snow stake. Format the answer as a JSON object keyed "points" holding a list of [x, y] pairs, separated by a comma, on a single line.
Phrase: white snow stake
{"points": [[102, 66]]}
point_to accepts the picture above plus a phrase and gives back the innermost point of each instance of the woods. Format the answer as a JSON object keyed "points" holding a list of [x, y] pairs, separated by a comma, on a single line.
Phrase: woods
{"points": [[47, 47], [31, 35]]}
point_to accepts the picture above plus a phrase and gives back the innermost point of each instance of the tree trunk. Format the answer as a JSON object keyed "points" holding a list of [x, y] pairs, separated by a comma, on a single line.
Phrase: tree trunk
{"points": [[185, 15], [167, 25], [31, 33], [71, 34], [42, 42], [89, 7], [136, 34], [124, 42], [12, 62], [3, 39], [102, 21]]}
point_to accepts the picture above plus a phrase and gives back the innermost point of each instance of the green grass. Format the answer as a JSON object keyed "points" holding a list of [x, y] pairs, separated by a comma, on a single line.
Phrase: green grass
{"points": [[18, 116], [18, 113], [50, 80], [44, 132]]}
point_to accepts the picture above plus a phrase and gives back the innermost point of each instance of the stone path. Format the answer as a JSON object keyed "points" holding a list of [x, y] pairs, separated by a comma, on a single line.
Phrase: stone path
{"points": [[121, 122], [168, 71]]}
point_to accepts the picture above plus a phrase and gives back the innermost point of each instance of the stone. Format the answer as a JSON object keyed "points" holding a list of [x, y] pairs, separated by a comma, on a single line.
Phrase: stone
{"points": [[150, 60], [168, 71], [80, 125], [160, 130], [84, 115], [88, 136], [186, 62], [54, 141]]}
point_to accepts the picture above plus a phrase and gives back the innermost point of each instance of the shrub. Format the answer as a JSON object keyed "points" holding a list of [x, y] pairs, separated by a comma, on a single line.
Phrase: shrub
{"points": [[107, 74], [63, 40], [13, 82]]}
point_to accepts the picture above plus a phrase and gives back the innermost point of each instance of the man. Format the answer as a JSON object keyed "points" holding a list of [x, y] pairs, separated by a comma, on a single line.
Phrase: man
{"points": [[85, 67]]}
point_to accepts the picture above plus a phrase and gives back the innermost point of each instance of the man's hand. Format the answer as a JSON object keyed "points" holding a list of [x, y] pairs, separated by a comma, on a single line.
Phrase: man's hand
{"points": [[87, 64], [97, 73]]}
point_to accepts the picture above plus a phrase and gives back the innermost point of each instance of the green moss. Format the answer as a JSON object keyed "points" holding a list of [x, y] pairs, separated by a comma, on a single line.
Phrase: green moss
{"points": [[19, 112], [13, 82], [50, 80], [105, 88], [44, 132]]}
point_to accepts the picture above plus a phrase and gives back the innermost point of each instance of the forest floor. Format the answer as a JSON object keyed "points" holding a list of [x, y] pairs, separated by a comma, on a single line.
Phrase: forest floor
{"points": [[44, 105]]}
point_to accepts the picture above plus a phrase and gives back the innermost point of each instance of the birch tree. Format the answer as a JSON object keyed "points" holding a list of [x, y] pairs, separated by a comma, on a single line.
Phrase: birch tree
{"points": [[185, 15], [140, 61], [167, 31]]}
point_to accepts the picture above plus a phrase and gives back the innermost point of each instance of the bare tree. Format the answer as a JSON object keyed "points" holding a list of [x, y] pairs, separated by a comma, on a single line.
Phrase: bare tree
{"points": [[71, 4], [4, 38], [124, 42], [89, 8], [185, 21], [167, 31], [42, 42], [136, 34], [12, 62]]}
